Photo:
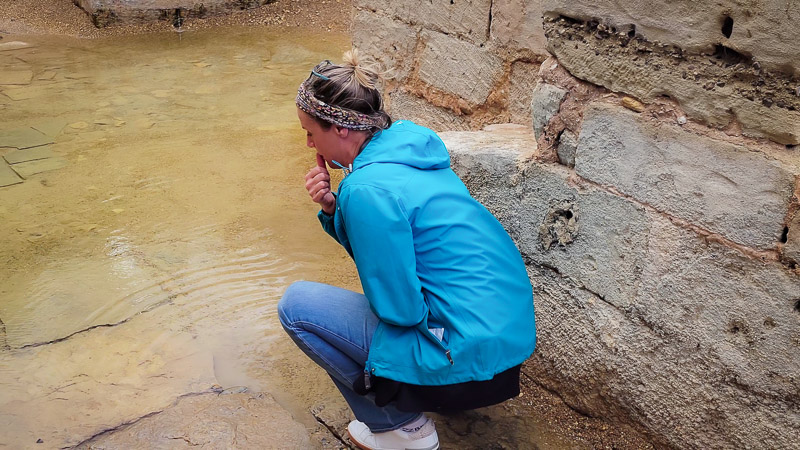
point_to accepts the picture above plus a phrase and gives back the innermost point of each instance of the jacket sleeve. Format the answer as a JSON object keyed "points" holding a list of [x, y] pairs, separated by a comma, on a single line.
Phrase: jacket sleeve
{"points": [[383, 248], [327, 223]]}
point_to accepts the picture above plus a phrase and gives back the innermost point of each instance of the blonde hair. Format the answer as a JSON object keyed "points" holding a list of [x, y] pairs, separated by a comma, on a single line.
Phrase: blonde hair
{"points": [[351, 85]]}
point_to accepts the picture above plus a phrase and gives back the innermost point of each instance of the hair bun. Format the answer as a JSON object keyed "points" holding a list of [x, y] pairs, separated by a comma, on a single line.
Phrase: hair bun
{"points": [[366, 75]]}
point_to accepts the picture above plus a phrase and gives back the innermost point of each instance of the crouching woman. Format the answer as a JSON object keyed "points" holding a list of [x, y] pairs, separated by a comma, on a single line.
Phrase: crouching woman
{"points": [[446, 318]]}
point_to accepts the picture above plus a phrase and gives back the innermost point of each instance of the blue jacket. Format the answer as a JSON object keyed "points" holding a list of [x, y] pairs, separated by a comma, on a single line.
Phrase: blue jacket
{"points": [[431, 257]]}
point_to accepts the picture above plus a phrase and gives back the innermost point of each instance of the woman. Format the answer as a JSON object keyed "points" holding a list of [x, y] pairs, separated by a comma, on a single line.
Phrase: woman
{"points": [[447, 316]]}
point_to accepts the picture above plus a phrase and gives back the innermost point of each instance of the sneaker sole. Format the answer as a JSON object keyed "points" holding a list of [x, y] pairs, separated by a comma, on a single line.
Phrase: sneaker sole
{"points": [[364, 447]]}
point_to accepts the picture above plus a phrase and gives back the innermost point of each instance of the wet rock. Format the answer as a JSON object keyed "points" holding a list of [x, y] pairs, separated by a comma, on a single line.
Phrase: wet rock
{"points": [[18, 77], [21, 138], [29, 154], [211, 421], [7, 176], [30, 168], [13, 45], [544, 105]]}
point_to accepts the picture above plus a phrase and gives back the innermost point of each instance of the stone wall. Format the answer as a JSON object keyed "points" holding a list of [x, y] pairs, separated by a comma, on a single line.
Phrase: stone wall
{"points": [[457, 65], [654, 193]]}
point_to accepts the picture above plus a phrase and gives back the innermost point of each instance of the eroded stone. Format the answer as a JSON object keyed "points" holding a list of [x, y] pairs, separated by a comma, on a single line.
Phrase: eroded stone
{"points": [[459, 68], [468, 19], [725, 188], [390, 43]]}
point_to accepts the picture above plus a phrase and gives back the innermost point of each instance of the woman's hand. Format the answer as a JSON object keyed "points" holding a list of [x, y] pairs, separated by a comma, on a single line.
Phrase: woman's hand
{"points": [[318, 185]]}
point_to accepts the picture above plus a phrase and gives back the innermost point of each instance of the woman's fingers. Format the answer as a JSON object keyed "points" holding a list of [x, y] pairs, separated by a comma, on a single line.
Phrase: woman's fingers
{"points": [[321, 162], [318, 185]]}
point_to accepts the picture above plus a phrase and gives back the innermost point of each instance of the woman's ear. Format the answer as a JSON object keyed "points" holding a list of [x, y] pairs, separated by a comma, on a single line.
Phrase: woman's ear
{"points": [[342, 132]]}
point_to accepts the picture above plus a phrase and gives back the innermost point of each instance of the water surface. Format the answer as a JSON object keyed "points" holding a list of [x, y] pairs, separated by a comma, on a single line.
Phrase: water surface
{"points": [[149, 261]]}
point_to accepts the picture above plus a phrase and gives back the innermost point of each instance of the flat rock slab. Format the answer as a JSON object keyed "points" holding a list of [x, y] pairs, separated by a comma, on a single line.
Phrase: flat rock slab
{"points": [[25, 92], [24, 138], [26, 169], [22, 77], [8, 176], [51, 127], [13, 45], [211, 421], [29, 154]]}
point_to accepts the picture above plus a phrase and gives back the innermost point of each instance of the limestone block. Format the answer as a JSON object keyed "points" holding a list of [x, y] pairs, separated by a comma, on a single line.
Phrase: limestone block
{"points": [[766, 29], [738, 313], [522, 83], [390, 43], [517, 24], [707, 92], [567, 146], [402, 105], [458, 67], [725, 188], [546, 101], [591, 236], [791, 249], [468, 19]]}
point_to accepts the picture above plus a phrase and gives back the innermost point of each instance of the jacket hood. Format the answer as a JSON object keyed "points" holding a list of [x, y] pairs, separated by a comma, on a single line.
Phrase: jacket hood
{"points": [[405, 143]]}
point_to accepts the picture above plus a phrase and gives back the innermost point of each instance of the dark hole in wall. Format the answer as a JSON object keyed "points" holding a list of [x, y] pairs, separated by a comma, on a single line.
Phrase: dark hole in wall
{"points": [[570, 20], [727, 27], [797, 306], [730, 55], [785, 235], [632, 31]]}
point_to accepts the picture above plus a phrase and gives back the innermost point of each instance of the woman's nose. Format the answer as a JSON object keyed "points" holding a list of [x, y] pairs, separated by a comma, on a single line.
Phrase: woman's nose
{"points": [[309, 142]]}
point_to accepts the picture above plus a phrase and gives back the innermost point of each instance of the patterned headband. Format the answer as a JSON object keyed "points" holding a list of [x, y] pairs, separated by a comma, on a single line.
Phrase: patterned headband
{"points": [[346, 118]]}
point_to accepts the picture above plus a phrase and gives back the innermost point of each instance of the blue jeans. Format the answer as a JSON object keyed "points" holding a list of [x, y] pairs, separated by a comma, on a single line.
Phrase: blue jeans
{"points": [[334, 327]]}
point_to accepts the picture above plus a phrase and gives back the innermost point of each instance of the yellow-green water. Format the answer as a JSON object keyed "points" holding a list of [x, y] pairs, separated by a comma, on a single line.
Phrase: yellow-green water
{"points": [[176, 221]]}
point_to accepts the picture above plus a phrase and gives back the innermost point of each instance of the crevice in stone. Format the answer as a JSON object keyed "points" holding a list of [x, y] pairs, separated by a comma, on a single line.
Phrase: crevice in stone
{"points": [[710, 236], [131, 422], [333, 431], [168, 300], [529, 261]]}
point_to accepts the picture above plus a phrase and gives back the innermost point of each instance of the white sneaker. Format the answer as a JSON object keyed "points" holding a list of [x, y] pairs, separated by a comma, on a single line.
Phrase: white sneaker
{"points": [[409, 437]]}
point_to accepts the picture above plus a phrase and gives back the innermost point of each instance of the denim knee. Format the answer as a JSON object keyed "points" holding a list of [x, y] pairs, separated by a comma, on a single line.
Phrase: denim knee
{"points": [[294, 297]]}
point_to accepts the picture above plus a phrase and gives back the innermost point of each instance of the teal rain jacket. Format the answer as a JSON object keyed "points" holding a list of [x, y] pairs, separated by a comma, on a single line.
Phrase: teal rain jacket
{"points": [[431, 257]]}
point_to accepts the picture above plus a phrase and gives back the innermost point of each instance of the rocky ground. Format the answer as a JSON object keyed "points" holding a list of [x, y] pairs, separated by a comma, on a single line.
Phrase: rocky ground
{"points": [[62, 17]]}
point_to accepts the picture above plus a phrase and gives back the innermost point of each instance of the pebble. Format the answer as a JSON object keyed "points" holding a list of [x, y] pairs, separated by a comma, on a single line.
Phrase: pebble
{"points": [[682, 120], [78, 125], [632, 104]]}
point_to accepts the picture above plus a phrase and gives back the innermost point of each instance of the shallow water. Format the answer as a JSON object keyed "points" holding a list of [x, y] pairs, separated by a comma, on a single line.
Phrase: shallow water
{"points": [[156, 255], [147, 262]]}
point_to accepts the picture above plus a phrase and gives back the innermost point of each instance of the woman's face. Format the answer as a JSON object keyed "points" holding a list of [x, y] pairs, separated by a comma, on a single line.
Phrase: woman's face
{"points": [[327, 142]]}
